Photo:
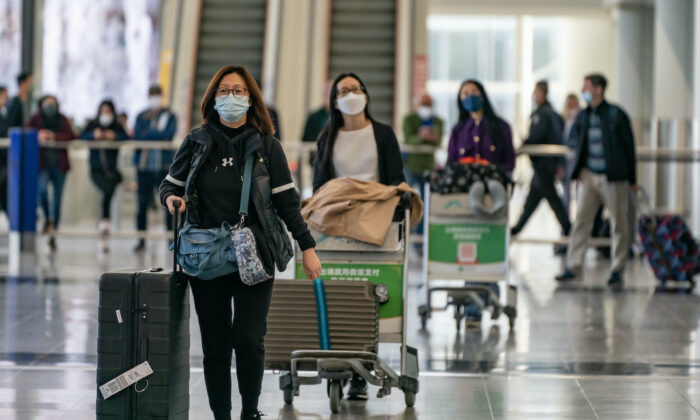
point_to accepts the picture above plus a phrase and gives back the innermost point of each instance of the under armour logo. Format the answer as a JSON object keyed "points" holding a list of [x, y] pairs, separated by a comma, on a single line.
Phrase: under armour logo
{"points": [[227, 162]]}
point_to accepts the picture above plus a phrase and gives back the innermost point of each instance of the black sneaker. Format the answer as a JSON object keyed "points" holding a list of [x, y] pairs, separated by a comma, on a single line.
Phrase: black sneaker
{"points": [[252, 415], [615, 281], [357, 390], [567, 275]]}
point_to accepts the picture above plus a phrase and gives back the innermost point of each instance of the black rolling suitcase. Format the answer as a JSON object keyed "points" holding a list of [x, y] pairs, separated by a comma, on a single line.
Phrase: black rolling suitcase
{"points": [[143, 318]]}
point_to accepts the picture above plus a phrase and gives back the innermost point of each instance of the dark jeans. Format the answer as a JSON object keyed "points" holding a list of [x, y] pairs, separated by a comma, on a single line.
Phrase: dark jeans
{"points": [[542, 186], [3, 188], [56, 178], [106, 182], [224, 331], [148, 182]]}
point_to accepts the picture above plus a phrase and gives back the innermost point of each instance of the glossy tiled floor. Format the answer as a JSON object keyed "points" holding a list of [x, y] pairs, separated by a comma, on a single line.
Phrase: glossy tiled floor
{"points": [[577, 352]]}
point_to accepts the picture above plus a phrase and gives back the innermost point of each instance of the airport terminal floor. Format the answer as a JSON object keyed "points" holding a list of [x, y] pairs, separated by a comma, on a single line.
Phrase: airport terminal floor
{"points": [[578, 351]]}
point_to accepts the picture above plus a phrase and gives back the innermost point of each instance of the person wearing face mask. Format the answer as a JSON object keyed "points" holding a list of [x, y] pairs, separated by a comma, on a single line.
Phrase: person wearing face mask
{"points": [[420, 128], [605, 165], [480, 134], [103, 162], [157, 123], [353, 144], [206, 179], [545, 128], [53, 162]]}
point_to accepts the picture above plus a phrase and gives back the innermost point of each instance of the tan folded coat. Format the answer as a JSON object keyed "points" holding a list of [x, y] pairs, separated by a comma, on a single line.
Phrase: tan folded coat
{"points": [[361, 210]]}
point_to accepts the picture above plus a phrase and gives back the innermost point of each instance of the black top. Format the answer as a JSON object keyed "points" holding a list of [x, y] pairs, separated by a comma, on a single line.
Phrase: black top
{"points": [[546, 127], [618, 142], [220, 181], [388, 152]]}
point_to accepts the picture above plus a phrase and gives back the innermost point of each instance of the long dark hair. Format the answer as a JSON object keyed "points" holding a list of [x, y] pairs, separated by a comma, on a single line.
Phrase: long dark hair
{"points": [[110, 105], [257, 113], [335, 120], [493, 121]]}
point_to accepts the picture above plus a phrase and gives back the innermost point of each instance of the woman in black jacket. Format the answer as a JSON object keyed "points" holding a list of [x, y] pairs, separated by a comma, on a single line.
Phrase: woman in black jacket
{"points": [[103, 162], [207, 172], [353, 144]]}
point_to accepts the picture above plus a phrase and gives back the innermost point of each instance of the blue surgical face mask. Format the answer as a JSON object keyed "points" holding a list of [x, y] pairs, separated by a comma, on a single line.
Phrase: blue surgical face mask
{"points": [[587, 96], [473, 103], [231, 108]]}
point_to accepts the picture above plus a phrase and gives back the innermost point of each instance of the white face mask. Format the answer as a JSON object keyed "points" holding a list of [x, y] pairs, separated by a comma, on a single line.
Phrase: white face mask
{"points": [[352, 104], [106, 120], [424, 112], [155, 101]]}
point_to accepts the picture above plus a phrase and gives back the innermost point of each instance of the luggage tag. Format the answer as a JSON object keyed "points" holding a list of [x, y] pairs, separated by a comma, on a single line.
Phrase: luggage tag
{"points": [[126, 379]]}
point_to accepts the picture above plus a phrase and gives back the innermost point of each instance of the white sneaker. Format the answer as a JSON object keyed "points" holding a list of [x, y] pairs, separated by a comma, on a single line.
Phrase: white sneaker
{"points": [[103, 227]]}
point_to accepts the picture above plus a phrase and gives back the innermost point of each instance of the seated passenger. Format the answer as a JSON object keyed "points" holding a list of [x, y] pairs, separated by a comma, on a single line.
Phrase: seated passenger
{"points": [[353, 144], [103, 162]]}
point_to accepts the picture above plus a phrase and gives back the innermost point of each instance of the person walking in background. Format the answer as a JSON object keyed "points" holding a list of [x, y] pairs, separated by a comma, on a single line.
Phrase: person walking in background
{"points": [[545, 128], [123, 119], [606, 167], [19, 108], [53, 162], [103, 162], [421, 128], [353, 144], [4, 131], [157, 123], [480, 134], [571, 110]]}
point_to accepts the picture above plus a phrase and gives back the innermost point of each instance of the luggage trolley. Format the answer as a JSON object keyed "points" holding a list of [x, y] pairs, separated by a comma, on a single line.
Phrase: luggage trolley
{"points": [[384, 270], [460, 246]]}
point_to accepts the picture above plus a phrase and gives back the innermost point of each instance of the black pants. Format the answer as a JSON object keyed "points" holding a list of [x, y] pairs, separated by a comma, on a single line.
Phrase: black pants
{"points": [[148, 182], [224, 330], [106, 182], [542, 186]]}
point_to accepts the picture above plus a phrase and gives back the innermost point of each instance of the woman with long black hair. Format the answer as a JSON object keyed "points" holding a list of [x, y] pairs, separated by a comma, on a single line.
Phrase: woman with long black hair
{"points": [[207, 175], [103, 162], [480, 134], [353, 144]]}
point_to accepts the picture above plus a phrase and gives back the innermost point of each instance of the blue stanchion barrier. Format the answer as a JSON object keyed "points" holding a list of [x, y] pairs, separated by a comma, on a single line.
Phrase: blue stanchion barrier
{"points": [[324, 335], [22, 182]]}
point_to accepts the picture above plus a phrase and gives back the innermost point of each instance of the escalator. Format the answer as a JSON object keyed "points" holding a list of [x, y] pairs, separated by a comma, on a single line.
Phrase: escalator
{"points": [[230, 32]]}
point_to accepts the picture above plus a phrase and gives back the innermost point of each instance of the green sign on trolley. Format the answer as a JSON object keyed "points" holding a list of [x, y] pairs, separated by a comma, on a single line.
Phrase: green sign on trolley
{"points": [[391, 275], [467, 243]]}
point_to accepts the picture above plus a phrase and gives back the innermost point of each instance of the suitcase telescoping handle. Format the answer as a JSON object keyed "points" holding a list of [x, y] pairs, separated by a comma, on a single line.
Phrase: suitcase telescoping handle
{"points": [[176, 227]]}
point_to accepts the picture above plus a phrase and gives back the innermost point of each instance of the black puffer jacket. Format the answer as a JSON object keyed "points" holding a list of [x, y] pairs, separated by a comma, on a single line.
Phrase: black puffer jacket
{"points": [[273, 193]]}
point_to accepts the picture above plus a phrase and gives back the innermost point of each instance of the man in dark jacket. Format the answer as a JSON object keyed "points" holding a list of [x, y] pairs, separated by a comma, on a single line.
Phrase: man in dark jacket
{"points": [[19, 107], [545, 128], [606, 167]]}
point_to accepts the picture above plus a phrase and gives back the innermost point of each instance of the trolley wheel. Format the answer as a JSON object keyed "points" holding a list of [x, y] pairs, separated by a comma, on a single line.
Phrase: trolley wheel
{"points": [[511, 313], [334, 390], [410, 398], [288, 394]]}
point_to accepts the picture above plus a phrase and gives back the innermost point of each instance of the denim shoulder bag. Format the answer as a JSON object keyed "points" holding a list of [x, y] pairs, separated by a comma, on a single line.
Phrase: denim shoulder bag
{"points": [[250, 267]]}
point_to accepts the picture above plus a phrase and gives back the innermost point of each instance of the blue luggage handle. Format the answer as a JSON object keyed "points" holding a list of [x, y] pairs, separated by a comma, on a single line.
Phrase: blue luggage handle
{"points": [[324, 336]]}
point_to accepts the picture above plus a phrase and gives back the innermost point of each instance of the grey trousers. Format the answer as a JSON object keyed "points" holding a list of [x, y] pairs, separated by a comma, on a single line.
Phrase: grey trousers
{"points": [[597, 190]]}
